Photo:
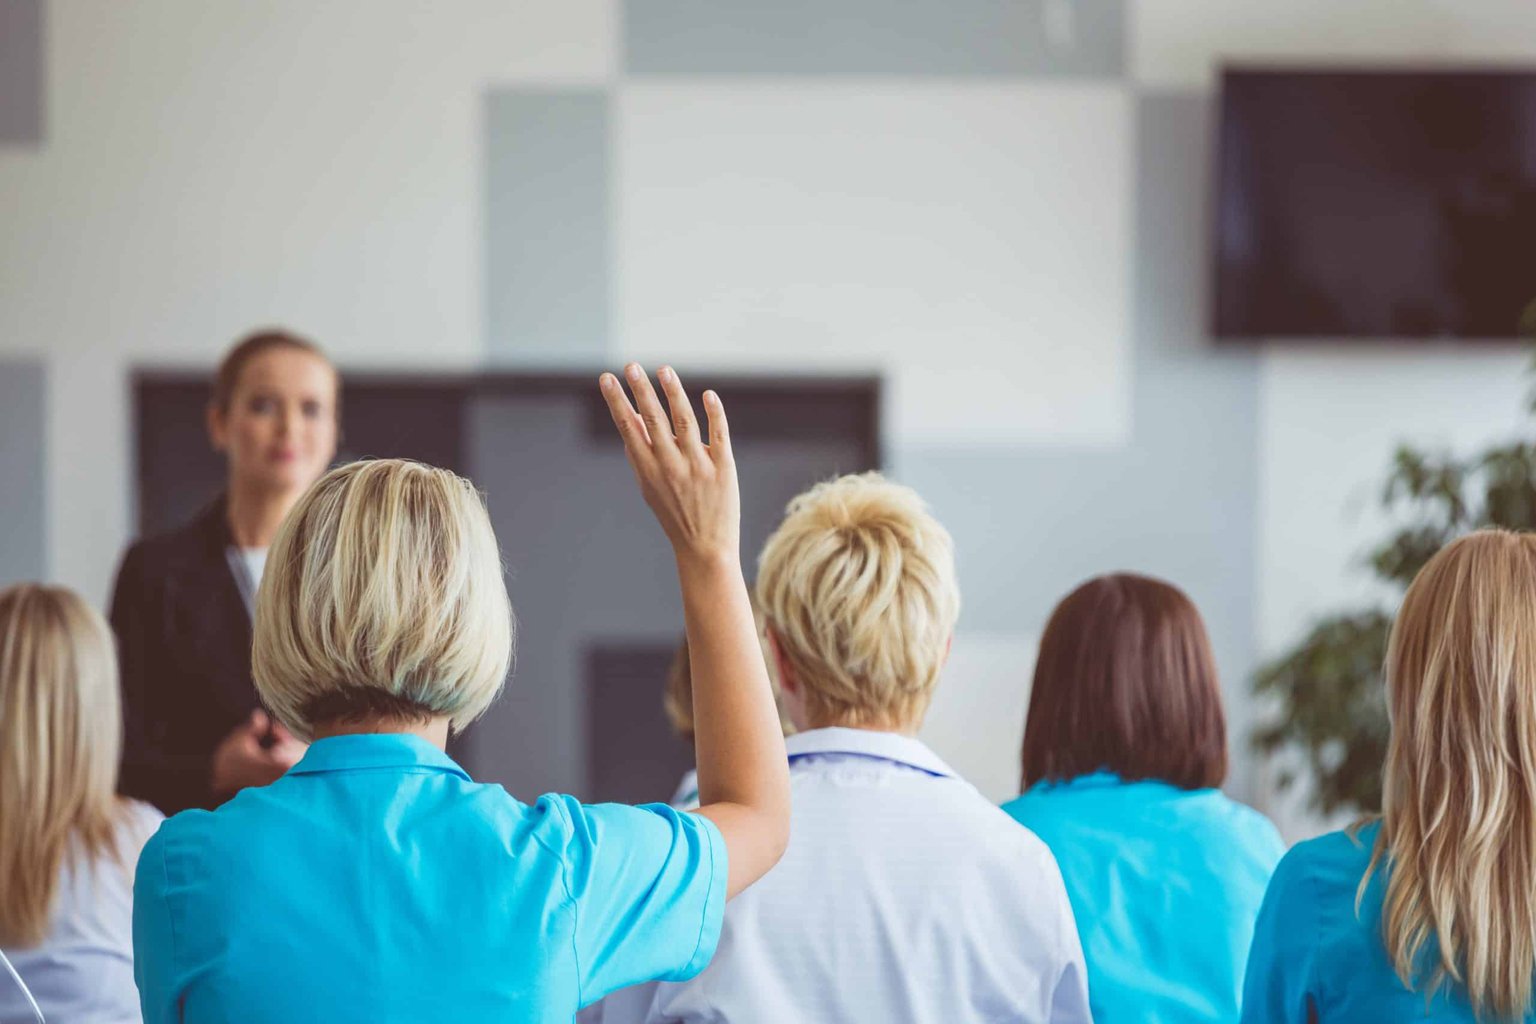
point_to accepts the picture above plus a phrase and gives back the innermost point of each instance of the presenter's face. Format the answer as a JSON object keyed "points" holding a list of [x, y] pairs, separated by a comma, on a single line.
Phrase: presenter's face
{"points": [[279, 432]]}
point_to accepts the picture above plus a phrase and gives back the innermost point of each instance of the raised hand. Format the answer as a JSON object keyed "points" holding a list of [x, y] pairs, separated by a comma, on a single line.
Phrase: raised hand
{"points": [[689, 485]]}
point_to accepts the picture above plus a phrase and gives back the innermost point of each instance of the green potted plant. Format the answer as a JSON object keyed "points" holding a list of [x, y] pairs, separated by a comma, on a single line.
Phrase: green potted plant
{"points": [[1327, 691]]}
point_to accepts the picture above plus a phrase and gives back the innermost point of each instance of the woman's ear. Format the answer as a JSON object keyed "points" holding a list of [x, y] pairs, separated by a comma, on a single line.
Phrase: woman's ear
{"points": [[218, 427], [786, 672]]}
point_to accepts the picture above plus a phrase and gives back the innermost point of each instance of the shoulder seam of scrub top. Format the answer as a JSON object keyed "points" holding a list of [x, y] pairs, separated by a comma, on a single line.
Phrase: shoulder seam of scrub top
{"points": [[709, 842], [1311, 980], [565, 883], [165, 904]]}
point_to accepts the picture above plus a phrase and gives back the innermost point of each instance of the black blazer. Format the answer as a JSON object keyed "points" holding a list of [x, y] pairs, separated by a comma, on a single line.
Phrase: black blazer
{"points": [[184, 648]]}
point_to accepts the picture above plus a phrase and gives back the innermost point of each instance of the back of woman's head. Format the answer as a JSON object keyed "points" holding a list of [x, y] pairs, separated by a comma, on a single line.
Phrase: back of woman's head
{"points": [[858, 588], [60, 736], [1458, 836], [382, 598], [1125, 682]]}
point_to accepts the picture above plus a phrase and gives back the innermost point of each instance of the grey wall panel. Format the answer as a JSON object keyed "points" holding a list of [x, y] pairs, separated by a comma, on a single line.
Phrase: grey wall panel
{"points": [[1048, 38], [23, 462], [22, 59], [547, 225]]}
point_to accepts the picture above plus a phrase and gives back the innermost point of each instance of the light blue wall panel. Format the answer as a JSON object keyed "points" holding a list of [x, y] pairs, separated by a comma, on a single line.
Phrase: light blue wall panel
{"points": [[1053, 38], [21, 71], [23, 454], [548, 232]]}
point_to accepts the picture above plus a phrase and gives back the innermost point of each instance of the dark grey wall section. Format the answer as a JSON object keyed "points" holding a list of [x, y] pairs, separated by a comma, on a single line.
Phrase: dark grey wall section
{"points": [[23, 458], [547, 225], [21, 71], [588, 568], [382, 417], [1071, 38], [1181, 500]]}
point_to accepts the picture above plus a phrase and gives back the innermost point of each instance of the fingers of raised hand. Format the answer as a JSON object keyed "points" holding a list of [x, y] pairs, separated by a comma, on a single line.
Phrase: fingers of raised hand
{"points": [[719, 429], [631, 428], [685, 426], [651, 412]]}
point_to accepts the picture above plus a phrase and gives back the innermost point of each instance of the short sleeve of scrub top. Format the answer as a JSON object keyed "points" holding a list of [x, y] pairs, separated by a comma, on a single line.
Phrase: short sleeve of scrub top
{"points": [[648, 885]]}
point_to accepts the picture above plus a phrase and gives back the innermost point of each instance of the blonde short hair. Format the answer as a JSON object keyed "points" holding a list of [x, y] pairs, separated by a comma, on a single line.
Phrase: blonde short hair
{"points": [[60, 735], [383, 597], [858, 587]]}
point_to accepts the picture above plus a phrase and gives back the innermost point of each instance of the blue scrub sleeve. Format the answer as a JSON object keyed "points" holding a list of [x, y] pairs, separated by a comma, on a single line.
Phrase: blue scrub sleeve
{"points": [[154, 946], [648, 884]]}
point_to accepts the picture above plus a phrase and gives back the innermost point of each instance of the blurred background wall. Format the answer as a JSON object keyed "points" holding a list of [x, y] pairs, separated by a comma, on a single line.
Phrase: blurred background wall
{"points": [[999, 209]]}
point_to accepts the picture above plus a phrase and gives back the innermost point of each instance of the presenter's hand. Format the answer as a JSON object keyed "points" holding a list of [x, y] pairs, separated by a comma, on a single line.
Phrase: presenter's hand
{"points": [[688, 478], [242, 761]]}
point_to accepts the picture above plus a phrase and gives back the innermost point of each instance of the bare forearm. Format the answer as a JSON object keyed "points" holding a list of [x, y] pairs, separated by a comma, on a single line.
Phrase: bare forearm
{"points": [[743, 777], [691, 487]]}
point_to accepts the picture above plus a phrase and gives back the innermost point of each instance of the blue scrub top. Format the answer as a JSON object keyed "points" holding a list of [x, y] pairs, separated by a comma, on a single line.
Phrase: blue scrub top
{"points": [[1165, 884], [376, 882], [1312, 951]]}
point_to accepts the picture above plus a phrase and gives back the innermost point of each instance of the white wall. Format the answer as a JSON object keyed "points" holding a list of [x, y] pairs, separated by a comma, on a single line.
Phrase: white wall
{"points": [[208, 168], [211, 167]]}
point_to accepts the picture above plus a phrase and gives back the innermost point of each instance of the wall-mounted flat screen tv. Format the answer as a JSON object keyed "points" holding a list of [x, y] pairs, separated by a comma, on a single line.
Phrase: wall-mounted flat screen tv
{"points": [[1382, 204]]}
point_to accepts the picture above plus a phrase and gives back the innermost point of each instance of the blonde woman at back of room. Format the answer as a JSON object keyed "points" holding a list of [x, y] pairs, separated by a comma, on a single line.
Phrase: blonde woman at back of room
{"points": [[69, 843], [1428, 913]]}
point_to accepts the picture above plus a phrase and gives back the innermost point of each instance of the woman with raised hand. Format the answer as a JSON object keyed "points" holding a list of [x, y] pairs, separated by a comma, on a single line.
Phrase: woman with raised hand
{"points": [[183, 601], [68, 842], [1429, 912], [376, 881], [1125, 745]]}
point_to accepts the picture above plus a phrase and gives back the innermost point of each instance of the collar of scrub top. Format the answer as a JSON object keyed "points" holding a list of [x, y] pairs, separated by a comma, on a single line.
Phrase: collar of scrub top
{"points": [[879, 746], [1101, 779], [374, 750], [1106, 780]]}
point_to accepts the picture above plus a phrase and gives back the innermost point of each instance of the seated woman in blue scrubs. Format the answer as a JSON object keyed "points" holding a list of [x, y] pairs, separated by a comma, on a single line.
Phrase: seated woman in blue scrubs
{"points": [[377, 882], [1124, 746], [1429, 912]]}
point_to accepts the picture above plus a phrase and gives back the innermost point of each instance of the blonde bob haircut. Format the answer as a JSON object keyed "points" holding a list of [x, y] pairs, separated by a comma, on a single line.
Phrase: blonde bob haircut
{"points": [[1457, 843], [60, 735], [858, 588], [382, 599]]}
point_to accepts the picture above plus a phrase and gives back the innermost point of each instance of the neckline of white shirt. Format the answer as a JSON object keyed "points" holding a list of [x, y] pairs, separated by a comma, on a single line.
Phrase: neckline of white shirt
{"points": [[884, 746]]}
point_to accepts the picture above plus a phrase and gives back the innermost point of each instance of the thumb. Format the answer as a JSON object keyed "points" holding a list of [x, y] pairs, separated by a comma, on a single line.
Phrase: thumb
{"points": [[259, 721]]}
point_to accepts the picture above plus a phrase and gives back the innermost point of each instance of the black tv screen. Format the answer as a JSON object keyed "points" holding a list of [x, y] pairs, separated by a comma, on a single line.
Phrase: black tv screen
{"points": [[1376, 204]]}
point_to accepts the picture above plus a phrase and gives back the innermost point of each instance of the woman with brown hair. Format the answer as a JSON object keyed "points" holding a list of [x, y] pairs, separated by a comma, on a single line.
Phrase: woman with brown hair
{"points": [[68, 843], [1124, 746], [1429, 912], [182, 605]]}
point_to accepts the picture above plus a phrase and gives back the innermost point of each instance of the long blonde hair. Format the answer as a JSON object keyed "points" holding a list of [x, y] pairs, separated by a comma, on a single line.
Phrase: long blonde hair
{"points": [[1458, 836], [60, 736]]}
